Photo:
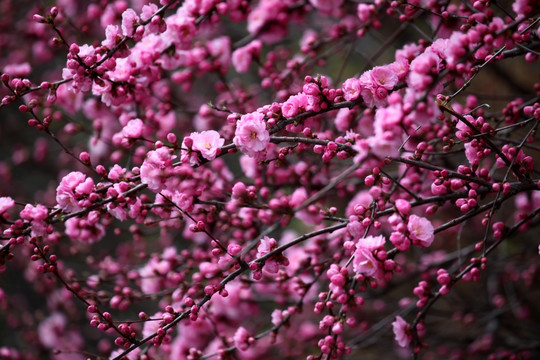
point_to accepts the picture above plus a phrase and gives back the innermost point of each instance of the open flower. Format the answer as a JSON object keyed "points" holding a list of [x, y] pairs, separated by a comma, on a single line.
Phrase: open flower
{"points": [[251, 135], [207, 143], [364, 261], [420, 230], [401, 332], [6, 203]]}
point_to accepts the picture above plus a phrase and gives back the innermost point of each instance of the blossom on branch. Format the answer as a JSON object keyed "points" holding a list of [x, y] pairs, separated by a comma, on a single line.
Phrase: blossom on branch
{"points": [[251, 135], [71, 189], [420, 230], [401, 332], [364, 261], [207, 143]]}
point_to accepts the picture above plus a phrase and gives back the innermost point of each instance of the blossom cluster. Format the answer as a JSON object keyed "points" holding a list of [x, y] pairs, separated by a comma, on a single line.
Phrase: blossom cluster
{"points": [[280, 179]]}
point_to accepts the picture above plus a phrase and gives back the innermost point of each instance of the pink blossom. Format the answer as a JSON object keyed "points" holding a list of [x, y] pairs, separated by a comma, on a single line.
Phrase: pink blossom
{"points": [[371, 242], [6, 203], [326, 6], [457, 46], [116, 172], [362, 150], [72, 186], [186, 153], [422, 70], [53, 333], [420, 230], [70, 100], [220, 50], [249, 166], [277, 317], [113, 35], [408, 52], [364, 261], [18, 69], [351, 89], [424, 114], [153, 273], [385, 145], [403, 206], [294, 105], [400, 241], [251, 135], [384, 76], [242, 57], [180, 29], [74, 71], [147, 11], [183, 200], [388, 118], [267, 245], [133, 129], [156, 168], [241, 339], [86, 229], [365, 12], [375, 84], [37, 216], [401, 332], [400, 67], [522, 8], [359, 203], [356, 229], [309, 38], [207, 143], [472, 154], [264, 12], [34, 213], [344, 119], [129, 19]]}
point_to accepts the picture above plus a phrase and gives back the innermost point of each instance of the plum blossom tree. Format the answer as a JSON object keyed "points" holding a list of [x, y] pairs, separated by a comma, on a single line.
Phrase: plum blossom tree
{"points": [[236, 179]]}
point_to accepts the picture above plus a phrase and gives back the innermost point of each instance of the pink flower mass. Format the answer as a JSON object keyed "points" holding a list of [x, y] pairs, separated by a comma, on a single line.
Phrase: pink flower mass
{"points": [[232, 179]]}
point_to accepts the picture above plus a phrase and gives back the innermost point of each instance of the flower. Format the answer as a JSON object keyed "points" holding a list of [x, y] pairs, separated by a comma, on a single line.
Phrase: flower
{"points": [[87, 230], [420, 230], [129, 19], [351, 89], [267, 245], [375, 84], [384, 76], [242, 57], [6, 203], [133, 129], [241, 339], [208, 143], [326, 6], [37, 216], [403, 206], [401, 331], [364, 262], [251, 135], [72, 186], [294, 105], [156, 168]]}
